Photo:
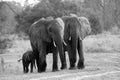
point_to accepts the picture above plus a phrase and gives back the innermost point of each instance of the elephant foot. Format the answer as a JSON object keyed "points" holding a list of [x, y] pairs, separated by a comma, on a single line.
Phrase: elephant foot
{"points": [[41, 70], [25, 72], [54, 70], [72, 68], [64, 67], [81, 65], [42, 67]]}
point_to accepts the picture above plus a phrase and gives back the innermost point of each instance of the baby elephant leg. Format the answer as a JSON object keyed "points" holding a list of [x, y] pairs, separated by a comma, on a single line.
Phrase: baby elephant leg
{"points": [[31, 67]]}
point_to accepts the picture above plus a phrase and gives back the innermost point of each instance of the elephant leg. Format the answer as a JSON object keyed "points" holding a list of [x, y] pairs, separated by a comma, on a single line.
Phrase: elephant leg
{"points": [[37, 58], [72, 52], [24, 68], [81, 56], [25, 64], [61, 54], [36, 53], [69, 50], [42, 57], [31, 67], [65, 59], [43, 64], [55, 60], [37, 62]]}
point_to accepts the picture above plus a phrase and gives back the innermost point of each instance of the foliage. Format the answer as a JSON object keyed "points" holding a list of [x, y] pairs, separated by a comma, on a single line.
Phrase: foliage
{"points": [[45, 8], [8, 10], [4, 43], [95, 24], [104, 13]]}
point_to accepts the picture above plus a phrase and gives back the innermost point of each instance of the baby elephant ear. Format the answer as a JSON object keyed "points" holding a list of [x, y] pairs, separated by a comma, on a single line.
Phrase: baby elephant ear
{"points": [[85, 27]]}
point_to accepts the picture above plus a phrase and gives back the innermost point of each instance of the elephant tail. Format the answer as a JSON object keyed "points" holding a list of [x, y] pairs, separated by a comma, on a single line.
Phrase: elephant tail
{"points": [[19, 60]]}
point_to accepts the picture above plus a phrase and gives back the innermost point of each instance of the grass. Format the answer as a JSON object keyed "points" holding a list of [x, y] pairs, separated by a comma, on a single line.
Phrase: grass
{"points": [[101, 55], [102, 43], [105, 42]]}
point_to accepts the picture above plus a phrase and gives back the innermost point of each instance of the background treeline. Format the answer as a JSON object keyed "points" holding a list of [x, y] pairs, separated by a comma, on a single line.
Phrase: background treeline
{"points": [[104, 15]]}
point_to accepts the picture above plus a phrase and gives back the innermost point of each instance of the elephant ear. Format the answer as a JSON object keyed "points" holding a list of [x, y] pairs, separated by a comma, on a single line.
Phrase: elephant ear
{"points": [[85, 27]]}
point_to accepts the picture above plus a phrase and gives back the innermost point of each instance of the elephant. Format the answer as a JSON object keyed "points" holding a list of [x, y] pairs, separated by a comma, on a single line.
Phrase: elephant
{"points": [[46, 35], [73, 36], [27, 59]]}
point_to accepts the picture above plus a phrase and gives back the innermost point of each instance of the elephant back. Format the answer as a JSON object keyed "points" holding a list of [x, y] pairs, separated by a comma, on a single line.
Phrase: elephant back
{"points": [[28, 56], [38, 30]]}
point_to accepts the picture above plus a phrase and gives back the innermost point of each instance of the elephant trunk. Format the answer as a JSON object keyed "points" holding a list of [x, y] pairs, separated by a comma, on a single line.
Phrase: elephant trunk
{"points": [[59, 44]]}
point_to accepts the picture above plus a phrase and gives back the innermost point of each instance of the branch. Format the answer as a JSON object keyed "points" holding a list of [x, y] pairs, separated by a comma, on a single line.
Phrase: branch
{"points": [[11, 8]]}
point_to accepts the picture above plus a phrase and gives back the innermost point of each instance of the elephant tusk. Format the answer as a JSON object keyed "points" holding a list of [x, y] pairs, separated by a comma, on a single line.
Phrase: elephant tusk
{"points": [[54, 44], [69, 38], [81, 38], [64, 43]]}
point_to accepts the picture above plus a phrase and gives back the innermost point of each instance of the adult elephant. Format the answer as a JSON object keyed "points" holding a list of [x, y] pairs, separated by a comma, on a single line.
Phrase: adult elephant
{"points": [[47, 35], [74, 33]]}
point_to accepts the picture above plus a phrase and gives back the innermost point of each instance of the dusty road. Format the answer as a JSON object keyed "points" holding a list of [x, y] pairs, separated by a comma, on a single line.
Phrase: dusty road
{"points": [[103, 64], [98, 66]]}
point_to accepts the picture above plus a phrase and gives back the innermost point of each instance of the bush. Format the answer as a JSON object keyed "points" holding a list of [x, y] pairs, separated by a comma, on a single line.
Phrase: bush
{"points": [[45, 8], [95, 24], [4, 43], [115, 30]]}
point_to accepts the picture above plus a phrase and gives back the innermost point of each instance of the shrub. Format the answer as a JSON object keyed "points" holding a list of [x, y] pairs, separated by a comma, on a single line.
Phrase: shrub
{"points": [[95, 24], [4, 43], [45, 8]]}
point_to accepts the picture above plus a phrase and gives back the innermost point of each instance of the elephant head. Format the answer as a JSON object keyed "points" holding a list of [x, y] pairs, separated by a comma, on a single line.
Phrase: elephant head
{"points": [[85, 27], [56, 29]]}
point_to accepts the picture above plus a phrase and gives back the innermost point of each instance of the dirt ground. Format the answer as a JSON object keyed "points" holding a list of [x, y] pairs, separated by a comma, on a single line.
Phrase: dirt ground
{"points": [[98, 66]]}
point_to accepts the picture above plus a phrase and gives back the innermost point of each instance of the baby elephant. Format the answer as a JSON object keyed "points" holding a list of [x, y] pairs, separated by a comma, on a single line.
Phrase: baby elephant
{"points": [[28, 58]]}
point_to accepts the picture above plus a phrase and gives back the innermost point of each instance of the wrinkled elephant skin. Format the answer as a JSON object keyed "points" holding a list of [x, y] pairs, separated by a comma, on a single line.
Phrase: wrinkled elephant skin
{"points": [[73, 36], [43, 35]]}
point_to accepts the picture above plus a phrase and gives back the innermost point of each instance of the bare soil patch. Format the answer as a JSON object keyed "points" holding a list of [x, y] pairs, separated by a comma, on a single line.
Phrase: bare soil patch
{"points": [[98, 65]]}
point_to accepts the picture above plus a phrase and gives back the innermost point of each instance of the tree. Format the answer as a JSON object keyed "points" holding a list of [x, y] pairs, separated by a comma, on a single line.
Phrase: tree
{"points": [[45, 8], [117, 12]]}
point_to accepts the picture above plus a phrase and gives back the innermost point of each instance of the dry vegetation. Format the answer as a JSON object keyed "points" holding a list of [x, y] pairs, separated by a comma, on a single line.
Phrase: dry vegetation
{"points": [[102, 60], [105, 42]]}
